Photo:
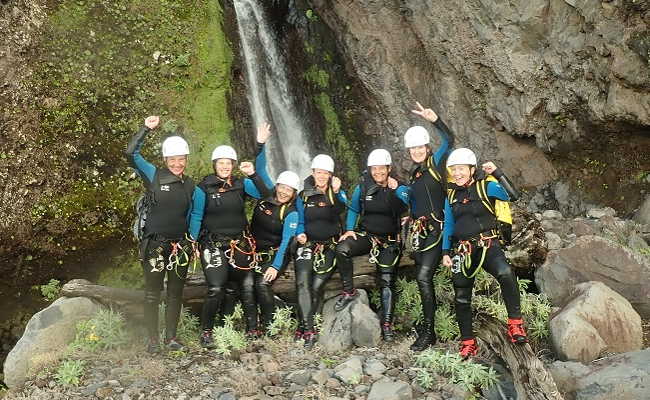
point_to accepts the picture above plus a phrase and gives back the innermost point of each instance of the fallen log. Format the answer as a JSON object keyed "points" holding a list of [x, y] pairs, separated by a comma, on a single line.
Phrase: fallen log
{"points": [[532, 379], [130, 300]]}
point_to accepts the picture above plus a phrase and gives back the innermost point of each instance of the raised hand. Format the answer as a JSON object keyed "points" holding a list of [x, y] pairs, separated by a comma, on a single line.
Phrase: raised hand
{"points": [[247, 168], [263, 132], [489, 167], [392, 183], [425, 113], [152, 122]]}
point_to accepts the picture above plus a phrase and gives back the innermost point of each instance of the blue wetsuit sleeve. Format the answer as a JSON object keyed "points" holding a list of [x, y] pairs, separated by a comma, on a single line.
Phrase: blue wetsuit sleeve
{"points": [[196, 213], [144, 168], [251, 189], [446, 140], [288, 231], [300, 208], [497, 191], [353, 209], [403, 193], [342, 196], [448, 227], [260, 166]]}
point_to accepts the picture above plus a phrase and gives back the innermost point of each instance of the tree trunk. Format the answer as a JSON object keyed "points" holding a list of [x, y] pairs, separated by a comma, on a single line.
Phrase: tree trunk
{"points": [[532, 379], [130, 300]]}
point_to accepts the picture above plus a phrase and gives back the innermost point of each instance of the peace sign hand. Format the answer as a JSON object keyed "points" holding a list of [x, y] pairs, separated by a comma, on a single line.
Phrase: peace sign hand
{"points": [[425, 113]]}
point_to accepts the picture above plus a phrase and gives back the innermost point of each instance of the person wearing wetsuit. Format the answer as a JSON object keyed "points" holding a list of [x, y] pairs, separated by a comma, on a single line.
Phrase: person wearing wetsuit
{"points": [[175, 208], [227, 247], [428, 187], [375, 210], [472, 235], [319, 207], [273, 226]]}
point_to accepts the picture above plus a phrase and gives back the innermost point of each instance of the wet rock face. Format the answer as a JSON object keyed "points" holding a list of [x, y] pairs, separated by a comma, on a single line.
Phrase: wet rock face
{"points": [[512, 81]]}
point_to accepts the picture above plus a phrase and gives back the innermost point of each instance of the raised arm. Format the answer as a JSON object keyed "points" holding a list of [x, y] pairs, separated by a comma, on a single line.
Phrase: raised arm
{"points": [[143, 167], [446, 136], [263, 133]]}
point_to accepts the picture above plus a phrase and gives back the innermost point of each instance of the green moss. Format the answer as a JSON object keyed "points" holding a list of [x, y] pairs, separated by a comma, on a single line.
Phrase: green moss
{"points": [[343, 151], [104, 67], [318, 77]]}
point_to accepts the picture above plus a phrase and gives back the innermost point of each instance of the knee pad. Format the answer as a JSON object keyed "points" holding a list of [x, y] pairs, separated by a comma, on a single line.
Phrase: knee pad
{"points": [[215, 291], [463, 296], [387, 280], [343, 249]]}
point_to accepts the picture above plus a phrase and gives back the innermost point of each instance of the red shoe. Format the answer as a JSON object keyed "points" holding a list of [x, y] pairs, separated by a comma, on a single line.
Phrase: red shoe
{"points": [[516, 331], [254, 334], [468, 348], [297, 335]]}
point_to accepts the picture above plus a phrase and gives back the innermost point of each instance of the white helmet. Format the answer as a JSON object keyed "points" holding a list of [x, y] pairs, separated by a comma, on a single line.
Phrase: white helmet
{"points": [[289, 178], [175, 146], [323, 161], [224, 152], [379, 157], [416, 136], [462, 156]]}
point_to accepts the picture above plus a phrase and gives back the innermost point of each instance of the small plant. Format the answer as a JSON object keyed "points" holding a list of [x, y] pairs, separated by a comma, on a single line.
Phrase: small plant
{"points": [[409, 303], [329, 363], [445, 323], [283, 323], [311, 15], [188, 326], [51, 290], [375, 297], [471, 376], [105, 331], [318, 322], [70, 372], [227, 339]]}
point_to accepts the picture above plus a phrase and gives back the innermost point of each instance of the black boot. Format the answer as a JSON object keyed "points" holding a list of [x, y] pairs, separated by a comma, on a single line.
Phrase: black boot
{"points": [[387, 332], [426, 337]]}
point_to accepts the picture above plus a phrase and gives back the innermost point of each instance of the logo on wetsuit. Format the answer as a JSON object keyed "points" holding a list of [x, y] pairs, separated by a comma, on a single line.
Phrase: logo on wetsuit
{"points": [[164, 188]]}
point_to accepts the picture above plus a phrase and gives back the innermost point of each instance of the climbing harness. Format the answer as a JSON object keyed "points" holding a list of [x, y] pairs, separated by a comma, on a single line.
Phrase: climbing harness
{"points": [[241, 254], [462, 260], [420, 230], [385, 251]]}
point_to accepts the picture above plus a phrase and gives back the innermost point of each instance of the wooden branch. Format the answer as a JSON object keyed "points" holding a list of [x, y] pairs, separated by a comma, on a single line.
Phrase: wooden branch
{"points": [[532, 379]]}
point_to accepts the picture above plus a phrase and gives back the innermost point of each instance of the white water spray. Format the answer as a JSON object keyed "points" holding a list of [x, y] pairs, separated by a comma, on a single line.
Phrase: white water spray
{"points": [[269, 92]]}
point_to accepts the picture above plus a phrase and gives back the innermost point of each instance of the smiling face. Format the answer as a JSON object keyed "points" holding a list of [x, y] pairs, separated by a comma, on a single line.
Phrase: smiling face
{"points": [[223, 167], [321, 177], [283, 193], [176, 164], [418, 153], [462, 174], [380, 174]]}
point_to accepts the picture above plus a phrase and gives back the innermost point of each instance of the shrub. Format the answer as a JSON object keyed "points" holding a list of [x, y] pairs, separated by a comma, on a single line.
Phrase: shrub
{"points": [[70, 372]]}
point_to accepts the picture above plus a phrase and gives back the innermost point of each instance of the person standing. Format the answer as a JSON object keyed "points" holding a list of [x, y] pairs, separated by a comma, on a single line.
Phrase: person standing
{"points": [[472, 236], [428, 192], [372, 227], [319, 207], [174, 212]]}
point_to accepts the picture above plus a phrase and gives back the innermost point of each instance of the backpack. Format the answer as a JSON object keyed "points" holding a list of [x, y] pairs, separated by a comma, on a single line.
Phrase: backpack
{"points": [[499, 208]]}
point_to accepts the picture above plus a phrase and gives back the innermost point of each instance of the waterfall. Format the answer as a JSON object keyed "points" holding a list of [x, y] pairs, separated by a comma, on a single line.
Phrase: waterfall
{"points": [[269, 93]]}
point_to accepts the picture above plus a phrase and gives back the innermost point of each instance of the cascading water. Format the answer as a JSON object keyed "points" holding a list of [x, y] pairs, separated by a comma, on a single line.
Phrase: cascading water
{"points": [[269, 92]]}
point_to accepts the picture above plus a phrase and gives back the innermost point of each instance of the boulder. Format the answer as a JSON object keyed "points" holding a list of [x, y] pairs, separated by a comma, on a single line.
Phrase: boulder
{"points": [[597, 319], [642, 216], [388, 389], [594, 258], [355, 325], [351, 371], [598, 213], [46, 337], [553, 241], [622, 377]]}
